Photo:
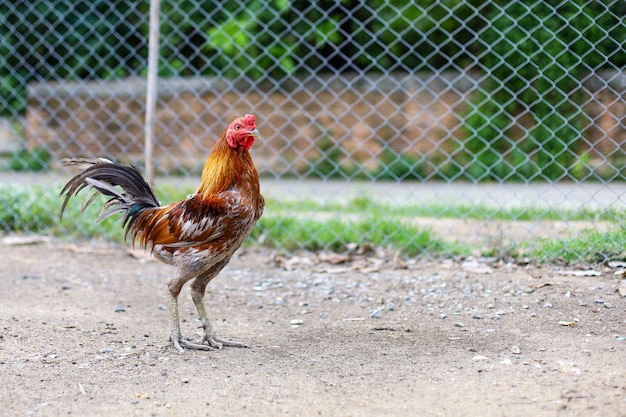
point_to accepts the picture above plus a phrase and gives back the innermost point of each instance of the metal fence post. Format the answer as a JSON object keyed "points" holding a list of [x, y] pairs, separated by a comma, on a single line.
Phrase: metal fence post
{"points": [[151, 89]]}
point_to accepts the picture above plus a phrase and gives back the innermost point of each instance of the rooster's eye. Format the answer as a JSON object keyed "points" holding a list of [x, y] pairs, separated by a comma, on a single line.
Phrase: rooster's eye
{"points": [[238, 127]]}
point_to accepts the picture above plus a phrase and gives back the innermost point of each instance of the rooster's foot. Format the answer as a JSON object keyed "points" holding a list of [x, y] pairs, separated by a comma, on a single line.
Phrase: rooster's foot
{"points": [[217, 342], [182, 344], [206, 342]]}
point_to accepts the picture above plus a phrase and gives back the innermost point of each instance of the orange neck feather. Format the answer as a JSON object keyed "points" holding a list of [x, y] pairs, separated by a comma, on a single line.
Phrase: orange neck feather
{"points": [[223, 168]]}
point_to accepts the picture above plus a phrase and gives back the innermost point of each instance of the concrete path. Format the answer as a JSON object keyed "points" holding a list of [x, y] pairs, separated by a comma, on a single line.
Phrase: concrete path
{"points": [[588, 195]]}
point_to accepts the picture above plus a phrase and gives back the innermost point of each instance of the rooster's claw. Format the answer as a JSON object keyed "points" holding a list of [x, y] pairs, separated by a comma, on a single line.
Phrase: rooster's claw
{"points": [[206, 342]]}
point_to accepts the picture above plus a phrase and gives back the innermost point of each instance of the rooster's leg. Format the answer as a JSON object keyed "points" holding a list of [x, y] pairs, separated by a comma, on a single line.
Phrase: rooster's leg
{"points": [[197, 294], [180, 343]]}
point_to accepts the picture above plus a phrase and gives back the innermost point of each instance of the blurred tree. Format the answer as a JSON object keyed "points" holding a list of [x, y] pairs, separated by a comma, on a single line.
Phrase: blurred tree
{"points": [[67, 39], [526, 123]]}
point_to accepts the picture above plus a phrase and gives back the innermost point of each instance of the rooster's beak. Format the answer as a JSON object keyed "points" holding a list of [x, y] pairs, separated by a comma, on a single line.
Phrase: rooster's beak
{"points": [[255, 133]]}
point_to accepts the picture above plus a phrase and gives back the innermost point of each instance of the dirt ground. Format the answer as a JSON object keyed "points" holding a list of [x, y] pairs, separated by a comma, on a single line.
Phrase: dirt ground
{"points": [[84, 332]]}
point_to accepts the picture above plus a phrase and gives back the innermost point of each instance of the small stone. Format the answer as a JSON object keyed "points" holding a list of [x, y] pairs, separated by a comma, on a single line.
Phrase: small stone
{"points": [[391, 306], [547, 305], [375, 314], [296, 322], [162, 307], [443, 315], [516, 350], [506, 361], [477, 317], [459, 324], [106, 350], [479, 358], [500, 313], [119, 309]]}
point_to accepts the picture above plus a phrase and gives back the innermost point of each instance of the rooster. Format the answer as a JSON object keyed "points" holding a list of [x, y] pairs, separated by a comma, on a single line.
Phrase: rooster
{"points": [[197, 235]]}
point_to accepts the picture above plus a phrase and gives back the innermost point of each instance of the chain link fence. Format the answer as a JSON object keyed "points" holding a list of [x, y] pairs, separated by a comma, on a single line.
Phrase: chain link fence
{"points": [[478, 126]]}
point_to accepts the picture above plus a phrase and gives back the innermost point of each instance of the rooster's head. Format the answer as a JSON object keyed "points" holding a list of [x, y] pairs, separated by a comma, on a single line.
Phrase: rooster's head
{"points": [[240, 134]]}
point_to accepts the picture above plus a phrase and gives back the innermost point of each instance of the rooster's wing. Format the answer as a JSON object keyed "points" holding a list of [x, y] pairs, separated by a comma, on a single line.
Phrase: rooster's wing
{"points": [[194, 221]]}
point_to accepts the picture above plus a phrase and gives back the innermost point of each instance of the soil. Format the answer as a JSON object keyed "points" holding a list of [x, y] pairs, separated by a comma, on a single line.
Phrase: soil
{"points": [[84, 332]]}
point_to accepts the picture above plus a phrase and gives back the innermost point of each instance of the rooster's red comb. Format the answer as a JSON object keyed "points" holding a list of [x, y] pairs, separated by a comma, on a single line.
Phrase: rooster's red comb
{"points": [[249, 119]]}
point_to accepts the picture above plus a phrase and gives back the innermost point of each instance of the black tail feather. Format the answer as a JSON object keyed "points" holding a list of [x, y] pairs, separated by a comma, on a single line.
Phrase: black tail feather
{"points": [[129, 191]]}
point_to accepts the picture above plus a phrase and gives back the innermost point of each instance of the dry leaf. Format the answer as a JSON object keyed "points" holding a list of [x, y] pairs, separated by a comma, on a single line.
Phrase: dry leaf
{"points": [[477, 267], [24, 240], [334, 258], [338, 270], [87, 249], [581, 273], [291, 263]]}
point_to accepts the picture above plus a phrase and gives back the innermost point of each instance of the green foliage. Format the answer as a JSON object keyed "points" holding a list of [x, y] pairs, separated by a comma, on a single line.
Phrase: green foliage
{"points": [[67, 39], [25, 209], [331, 162], [34, 160], [232, 48], [527, 122], [393, 166]]}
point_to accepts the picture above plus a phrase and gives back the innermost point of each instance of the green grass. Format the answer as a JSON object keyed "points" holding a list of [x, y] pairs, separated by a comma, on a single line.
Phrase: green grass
{"points": [[36, 209], [292, 225], [335, 234], [592, 247], [445, 210]]}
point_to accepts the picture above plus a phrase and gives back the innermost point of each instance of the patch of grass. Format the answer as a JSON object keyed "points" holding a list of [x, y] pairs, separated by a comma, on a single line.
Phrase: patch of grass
{"points": [[24, 209], [36, 209], [294, 225], [292, 233], [363, 204], [592, 246]]}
